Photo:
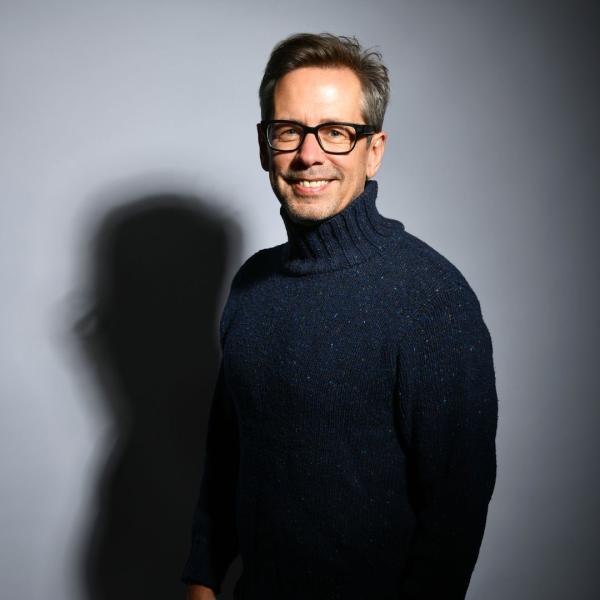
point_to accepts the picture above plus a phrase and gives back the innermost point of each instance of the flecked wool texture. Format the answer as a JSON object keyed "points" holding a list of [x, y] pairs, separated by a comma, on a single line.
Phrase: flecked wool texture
{"points": [[350, 451]]}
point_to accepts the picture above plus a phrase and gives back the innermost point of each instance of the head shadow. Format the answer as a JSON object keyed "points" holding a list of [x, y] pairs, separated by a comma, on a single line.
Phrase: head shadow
{"points": [[158, 265]]}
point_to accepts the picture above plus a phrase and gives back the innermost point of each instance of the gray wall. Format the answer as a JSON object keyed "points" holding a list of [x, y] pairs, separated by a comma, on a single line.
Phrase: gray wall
{"points": [[121, 122]]}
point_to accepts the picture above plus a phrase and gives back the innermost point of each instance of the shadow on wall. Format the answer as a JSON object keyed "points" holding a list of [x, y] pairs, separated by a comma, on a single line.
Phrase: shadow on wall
{"points": [[151, 339]]}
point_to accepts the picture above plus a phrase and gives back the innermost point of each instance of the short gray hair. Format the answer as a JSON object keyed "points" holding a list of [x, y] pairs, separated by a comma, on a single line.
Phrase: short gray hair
{"points": [[328, 50]]}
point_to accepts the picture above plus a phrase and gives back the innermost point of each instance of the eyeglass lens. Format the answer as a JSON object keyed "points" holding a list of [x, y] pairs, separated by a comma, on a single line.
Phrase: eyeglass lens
{"points": [[333, 138]]}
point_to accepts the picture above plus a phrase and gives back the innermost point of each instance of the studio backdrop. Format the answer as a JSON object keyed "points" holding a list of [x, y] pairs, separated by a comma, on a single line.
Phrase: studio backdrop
{"points": [[132, 191]]}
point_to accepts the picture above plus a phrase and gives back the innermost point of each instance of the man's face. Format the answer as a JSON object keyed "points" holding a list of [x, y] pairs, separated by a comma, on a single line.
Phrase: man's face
{"points": [[314, 95]]}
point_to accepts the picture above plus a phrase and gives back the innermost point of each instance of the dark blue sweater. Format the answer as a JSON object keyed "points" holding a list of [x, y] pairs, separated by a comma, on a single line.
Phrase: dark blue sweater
{"points": [[350, 451]]}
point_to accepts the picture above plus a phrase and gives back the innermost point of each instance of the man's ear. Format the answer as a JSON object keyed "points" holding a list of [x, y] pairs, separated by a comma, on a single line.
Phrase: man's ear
{"points": [[263, 148], [375, 153]]}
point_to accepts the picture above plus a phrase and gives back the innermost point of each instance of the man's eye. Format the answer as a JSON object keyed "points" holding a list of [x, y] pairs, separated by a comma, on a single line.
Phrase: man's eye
{"points": [[337, 134], [288, 133]]}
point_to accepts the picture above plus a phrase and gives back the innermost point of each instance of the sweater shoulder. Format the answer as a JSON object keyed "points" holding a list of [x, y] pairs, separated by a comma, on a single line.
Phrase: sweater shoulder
{"points": [[258, 267], [428, 271], [437, 299]]}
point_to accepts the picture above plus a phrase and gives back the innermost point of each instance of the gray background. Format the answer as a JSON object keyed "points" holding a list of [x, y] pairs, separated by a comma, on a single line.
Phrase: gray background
{"points": [[115, 116]]}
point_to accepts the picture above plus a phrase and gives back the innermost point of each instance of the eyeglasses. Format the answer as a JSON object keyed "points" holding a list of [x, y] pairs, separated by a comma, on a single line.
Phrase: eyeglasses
{"points": [[333, 137]]}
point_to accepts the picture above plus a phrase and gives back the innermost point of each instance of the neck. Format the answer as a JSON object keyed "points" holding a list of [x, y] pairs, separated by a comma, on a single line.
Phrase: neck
{"points": [[343, 240]]}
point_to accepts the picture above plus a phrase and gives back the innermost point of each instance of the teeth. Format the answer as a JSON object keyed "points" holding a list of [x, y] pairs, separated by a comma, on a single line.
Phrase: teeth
{"points": [[305, 183]]}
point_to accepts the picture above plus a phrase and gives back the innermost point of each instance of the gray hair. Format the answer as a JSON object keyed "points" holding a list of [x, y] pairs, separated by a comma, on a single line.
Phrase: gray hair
{"points": [[328, 50]]}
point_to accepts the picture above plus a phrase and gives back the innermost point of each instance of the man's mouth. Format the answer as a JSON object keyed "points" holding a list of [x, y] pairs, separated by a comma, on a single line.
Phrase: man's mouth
{"points": [[309, 187], [312, 183]]}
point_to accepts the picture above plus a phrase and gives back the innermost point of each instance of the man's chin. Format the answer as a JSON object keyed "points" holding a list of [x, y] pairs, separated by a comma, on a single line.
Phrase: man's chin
{"points": [[307, 212]]}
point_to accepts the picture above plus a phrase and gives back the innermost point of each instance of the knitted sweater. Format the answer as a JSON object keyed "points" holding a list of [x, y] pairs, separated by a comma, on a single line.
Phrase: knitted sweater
{"points": [[351, 441]]}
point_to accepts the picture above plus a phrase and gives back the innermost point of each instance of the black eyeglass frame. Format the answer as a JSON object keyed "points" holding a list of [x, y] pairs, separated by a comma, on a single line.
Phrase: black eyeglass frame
{"points": [[360, 129]]}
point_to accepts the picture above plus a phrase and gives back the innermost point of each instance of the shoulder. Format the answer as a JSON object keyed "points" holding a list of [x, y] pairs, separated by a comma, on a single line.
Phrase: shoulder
{"points": [[260, 267], [444, 311], [429, 276], [444, 320], [429, 266]]}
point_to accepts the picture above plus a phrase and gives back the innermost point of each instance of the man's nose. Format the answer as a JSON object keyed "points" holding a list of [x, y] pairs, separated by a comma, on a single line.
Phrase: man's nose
{"points": [[310, 152]]}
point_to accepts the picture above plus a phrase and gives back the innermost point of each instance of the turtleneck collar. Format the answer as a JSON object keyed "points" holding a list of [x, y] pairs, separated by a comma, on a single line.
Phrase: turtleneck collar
{"points": [[346, 239]]}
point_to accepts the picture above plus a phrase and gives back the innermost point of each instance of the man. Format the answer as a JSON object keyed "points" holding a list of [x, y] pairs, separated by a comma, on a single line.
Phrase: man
{"points": [[350, 451]]}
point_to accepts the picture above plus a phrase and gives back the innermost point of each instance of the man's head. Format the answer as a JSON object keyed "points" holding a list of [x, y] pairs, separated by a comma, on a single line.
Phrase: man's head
{"points": [[311, 80]]}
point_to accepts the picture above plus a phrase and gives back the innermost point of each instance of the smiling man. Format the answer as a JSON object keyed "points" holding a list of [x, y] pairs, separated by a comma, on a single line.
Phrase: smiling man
{"points": [[321, 177], [351, 442]]}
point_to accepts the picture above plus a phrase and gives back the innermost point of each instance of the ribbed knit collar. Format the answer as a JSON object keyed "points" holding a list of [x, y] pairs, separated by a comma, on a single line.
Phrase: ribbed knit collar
{"points": [[346, 239]]}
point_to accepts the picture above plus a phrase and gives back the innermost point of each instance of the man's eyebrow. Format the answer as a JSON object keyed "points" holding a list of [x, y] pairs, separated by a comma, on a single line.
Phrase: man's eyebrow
{"points": [[333, 120], [323, 120]]}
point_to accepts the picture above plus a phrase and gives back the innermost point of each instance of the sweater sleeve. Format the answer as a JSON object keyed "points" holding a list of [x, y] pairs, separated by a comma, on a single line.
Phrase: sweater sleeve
{"points": [[448, 408], [214, 538]]}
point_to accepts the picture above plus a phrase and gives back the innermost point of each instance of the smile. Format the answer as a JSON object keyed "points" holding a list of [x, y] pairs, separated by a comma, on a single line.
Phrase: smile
{"points": [[312, 183], [309, 187]]}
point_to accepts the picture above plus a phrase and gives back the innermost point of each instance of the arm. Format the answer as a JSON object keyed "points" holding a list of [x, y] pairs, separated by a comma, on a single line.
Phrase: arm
{"points": [[448, 408], [214, 538]]}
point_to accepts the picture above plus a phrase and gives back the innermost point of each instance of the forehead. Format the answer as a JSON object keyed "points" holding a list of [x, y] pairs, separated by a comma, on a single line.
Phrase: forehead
{"points": [[318, 94]]}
